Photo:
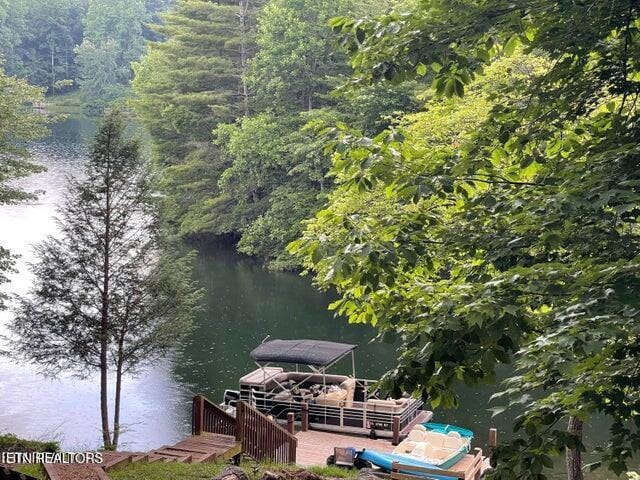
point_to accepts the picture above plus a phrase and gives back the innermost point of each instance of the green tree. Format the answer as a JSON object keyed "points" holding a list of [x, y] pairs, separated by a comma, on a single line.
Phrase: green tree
{"points": [[19, 124], [186, 85], [517, 238], [276, 173], [108, 294], [100, 74], [38, 37], [113, 39], [297, 58]]}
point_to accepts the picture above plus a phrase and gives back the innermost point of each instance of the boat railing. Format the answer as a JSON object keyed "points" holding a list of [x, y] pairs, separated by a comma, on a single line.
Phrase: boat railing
{"points": [[355, 416]]}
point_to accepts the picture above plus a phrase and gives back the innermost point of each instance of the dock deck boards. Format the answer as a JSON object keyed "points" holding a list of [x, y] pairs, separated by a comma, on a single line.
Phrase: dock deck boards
{"points": [[315, 446]]}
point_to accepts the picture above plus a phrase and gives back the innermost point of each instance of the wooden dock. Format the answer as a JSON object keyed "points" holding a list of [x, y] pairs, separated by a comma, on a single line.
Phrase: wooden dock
{"points": [[315, 446]]}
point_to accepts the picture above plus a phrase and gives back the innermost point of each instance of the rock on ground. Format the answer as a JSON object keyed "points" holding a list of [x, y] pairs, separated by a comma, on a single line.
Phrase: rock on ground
{"points": [[232, 473]]}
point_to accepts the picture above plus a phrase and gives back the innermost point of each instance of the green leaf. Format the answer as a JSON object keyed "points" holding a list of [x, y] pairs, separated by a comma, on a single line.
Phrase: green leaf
{"points": [[511, 45]]}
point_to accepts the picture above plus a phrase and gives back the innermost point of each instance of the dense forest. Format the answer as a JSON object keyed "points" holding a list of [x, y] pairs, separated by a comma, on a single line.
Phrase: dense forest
{"points": [[230, 96], [63, 45], [465, 175]]}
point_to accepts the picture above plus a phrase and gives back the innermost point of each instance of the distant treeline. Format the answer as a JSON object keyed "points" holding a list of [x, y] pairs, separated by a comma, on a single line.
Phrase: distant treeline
{"points": [[65, 44]]}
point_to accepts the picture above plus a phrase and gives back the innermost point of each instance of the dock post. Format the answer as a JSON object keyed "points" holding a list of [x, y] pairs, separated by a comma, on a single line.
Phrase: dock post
{"points": [[198, 415], [396, 431], [240, 421], [291, 427], [305, 416], [493, 437]]}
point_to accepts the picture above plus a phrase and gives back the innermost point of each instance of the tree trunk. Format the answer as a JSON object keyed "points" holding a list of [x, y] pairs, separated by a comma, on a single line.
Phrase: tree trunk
{"points": [[116, 407], [244, 6], [574, 457], [104, 317], [53, 73]]}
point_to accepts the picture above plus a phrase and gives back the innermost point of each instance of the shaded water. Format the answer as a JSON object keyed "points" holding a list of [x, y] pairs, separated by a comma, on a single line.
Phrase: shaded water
{"points": [[243, 303]]}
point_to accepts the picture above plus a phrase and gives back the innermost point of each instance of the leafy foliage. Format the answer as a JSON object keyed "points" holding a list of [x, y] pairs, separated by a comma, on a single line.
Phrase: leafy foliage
{"points": [[277, 171], [18, 125], [12, 443], [37, 38], [187, 85], [510, 234], [113, 39]]}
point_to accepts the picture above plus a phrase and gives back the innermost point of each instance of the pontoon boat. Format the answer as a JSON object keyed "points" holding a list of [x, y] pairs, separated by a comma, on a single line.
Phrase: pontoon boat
{"points": [[341, 403]]}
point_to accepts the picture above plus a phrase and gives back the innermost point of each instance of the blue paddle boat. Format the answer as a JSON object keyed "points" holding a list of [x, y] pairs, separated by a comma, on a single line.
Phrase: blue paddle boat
{"points": [[429, 445]]}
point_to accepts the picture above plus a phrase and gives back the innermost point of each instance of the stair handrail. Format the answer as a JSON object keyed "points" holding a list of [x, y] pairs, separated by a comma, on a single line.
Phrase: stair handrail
{"points": [[208, 417], [262, 438]]}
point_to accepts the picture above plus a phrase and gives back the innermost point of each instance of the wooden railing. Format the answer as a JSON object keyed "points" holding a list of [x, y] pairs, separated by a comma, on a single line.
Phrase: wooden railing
{"points": [[209, 417], [262, 438]]}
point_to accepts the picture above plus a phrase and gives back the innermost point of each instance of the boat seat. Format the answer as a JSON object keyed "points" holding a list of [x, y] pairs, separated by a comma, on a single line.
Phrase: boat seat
{"points": [[285, 395], [435, 439], [261, 376], [452, 442], [416, 435], [342, 396], [428, 453], [350, 386], [405, 447], [409, 443], [383, 406]]}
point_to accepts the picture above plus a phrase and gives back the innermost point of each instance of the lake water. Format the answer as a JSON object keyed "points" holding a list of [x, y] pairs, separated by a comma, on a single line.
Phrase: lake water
{"points": [[243, 303]]}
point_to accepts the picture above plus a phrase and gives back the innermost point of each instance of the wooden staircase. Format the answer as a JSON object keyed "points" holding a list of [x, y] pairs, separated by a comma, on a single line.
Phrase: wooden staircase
{"points": [[194, 449], [207, 447], [217, 437]]}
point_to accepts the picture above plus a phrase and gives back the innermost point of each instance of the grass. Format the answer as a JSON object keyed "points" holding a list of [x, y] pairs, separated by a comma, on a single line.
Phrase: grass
{"points": [[11, 443], [185, 471], [202, 471], [333, 472], [166, 471], [35, 471], [67, 104]]}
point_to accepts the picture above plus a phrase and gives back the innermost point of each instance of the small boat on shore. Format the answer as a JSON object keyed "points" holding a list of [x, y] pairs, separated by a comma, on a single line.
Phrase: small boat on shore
{"points": [[331, 402]]}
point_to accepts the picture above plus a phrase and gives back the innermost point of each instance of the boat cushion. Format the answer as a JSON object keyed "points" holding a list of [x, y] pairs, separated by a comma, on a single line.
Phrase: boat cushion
{"points": [[350, 386], [416, 435], [452, 443], [388, 406]]}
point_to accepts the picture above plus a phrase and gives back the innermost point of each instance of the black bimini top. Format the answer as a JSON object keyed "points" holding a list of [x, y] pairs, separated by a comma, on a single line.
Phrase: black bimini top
{"points": [[318, 353]]}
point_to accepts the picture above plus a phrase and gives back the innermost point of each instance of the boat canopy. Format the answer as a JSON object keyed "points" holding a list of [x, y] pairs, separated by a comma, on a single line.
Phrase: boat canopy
{"points": [[317, 353]]}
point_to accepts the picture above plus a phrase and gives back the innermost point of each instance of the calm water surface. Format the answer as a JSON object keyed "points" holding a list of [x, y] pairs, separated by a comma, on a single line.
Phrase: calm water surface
{"points": [[243, 304]]}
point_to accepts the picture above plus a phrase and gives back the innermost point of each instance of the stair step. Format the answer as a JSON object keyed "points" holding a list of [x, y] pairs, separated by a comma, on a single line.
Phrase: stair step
{"points": [[111, 460]]}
